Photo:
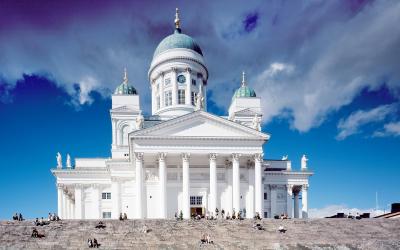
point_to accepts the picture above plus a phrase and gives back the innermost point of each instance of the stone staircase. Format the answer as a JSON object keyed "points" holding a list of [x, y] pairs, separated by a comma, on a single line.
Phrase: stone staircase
{"points": [[171, 234]]}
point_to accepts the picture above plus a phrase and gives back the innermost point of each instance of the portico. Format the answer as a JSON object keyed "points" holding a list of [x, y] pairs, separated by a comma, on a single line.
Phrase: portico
{"points": [[203, 175]]}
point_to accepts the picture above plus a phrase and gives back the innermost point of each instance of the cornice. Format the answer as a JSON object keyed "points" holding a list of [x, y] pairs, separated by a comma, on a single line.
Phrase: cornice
{"points": [[174, 59]]}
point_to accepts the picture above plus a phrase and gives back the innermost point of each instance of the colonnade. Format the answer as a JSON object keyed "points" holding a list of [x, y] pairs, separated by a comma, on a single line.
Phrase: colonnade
{"points": [[65, 203], [213, 187], [292, 200]]}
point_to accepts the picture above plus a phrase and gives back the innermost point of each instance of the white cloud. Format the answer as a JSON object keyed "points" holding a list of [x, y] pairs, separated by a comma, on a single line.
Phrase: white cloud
{"points": [[333, 65], [305, 59], [334, 209], [352, 124], [389, 129]]}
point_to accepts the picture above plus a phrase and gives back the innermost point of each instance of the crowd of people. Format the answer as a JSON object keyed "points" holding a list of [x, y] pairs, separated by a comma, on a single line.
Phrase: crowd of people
{"points": [[93, 243]]}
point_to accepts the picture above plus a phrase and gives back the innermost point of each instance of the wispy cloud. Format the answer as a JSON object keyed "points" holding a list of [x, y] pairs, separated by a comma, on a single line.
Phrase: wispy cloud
{"points": [[352, 124], [389, 129]]}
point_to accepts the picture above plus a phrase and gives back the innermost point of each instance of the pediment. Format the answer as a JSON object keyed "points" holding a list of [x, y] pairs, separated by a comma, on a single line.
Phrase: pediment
{"points": [[200, 124], [123, 109], [246, 112]]}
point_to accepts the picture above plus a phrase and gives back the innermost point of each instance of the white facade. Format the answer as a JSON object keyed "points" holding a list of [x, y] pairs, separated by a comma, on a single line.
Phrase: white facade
{"points": [[181, 158]]}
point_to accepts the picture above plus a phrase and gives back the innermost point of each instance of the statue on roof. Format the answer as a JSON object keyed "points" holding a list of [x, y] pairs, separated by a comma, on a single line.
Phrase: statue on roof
{"points": [[200, 100], [69, 161], [139, 121], [285, 158], [304, 160], [59, 160], [257, 122]]}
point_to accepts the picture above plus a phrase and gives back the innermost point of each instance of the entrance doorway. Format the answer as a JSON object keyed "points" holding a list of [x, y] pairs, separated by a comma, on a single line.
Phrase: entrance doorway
{"points": [[197, 210], [196, 206]]}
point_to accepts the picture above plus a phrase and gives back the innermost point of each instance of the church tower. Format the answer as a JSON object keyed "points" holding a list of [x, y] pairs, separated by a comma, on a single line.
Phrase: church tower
{"points": [[178, 75], [125, 117]]}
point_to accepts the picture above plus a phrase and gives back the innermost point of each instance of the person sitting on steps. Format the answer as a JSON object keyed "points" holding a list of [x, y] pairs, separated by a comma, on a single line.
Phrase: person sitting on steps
{"points": [[120, 216], [95, 243], [100, 225], [35, 233], [125, 216], [89, 243], [281, 229]]}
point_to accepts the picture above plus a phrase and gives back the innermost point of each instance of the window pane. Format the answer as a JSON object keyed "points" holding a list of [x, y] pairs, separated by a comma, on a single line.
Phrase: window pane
{"points": [[181, 96]]}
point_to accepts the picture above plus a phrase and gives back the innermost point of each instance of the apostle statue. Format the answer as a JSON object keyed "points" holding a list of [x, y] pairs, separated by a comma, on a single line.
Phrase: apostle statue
{"points": [[59, 160], [139, 121], [257, 122], [304, 162], [69, 161], [199, 101]]}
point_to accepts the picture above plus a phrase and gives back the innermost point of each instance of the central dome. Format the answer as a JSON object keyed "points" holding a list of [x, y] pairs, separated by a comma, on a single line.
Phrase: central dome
{"points": [[177, 41]]}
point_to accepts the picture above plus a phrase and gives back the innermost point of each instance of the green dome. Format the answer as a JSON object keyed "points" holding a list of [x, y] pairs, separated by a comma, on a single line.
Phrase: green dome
{"points": [[125, 89], [244, 91], [175, 41]]}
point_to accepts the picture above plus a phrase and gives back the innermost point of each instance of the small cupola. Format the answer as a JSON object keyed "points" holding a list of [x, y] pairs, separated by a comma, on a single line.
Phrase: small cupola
{"points": [[124, 88]]}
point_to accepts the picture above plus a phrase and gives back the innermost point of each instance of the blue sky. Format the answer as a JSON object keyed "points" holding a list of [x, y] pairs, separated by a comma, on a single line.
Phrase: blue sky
{"points": [[328, 73]]}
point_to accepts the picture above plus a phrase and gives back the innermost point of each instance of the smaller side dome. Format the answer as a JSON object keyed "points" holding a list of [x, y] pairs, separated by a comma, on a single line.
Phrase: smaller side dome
{"points": [[244, 90], [124, 88]]}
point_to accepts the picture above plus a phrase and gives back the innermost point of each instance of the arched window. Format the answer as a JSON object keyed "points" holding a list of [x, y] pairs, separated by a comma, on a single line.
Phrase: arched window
{"points": [[125, 131]]}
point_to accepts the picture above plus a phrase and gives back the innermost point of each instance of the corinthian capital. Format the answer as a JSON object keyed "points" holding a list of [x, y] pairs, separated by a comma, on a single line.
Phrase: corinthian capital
{"points": [[185, 156], [258, 157], [139, 155], [235, 156], [213, 156], [162, 156]]}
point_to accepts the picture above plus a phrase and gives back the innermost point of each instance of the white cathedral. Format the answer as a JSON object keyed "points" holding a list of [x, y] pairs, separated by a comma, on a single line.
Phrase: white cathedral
{"points": [[181, 157]]}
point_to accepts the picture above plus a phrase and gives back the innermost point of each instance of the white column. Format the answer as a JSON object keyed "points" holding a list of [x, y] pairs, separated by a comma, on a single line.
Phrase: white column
{"points": [[59, 201], [258, 198], [236, 182], [174, 87], [188, 94], [72, 208], [228, 194], [205, 96], [139, 185], [289, 201], [296, 204], [96, 202], [162, 173], [153, 96], [213, 183], [304, 207], [114, 132], [115, 198], [161, 93], [185, 186], [64, 214], [250, 194], [79, 211], [273, 200]]}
